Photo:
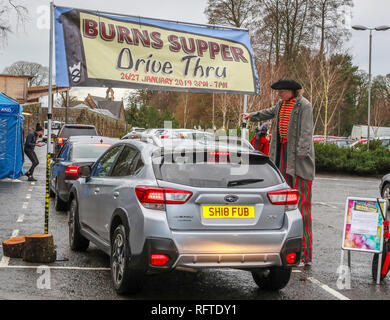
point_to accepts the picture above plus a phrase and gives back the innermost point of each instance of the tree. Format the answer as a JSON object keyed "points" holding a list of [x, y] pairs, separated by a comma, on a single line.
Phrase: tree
{"points": [[39, 73], [7, 7], [236, 13], [327, 12], [380, 108]]}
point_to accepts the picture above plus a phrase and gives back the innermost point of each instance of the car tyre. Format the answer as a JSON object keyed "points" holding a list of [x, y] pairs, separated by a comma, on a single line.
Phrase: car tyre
{"points": [[126, 279], [59, 204], [386, 194], [77, 242], [274, 278]]}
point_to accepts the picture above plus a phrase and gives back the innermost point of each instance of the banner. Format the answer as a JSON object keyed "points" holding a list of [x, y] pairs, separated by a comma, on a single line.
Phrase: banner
{"points": [[104, 50]]}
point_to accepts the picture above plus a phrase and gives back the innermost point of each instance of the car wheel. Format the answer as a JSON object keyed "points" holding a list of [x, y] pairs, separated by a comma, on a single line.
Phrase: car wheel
{"points": [[77, 242], [274, 278], [126, 279], [59, 204], [386, 195]]}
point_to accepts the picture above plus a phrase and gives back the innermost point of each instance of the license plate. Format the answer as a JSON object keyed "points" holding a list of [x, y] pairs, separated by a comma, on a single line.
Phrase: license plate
{"points": [[228, 212]]}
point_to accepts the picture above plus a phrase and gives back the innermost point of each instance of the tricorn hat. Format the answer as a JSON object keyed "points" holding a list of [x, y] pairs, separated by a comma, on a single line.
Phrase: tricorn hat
{"points": [[286, 84]]}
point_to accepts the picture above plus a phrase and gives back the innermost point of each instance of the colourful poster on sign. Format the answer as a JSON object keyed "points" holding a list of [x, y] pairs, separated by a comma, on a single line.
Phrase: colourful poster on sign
{"points": [[107, 50], [363, 225]]}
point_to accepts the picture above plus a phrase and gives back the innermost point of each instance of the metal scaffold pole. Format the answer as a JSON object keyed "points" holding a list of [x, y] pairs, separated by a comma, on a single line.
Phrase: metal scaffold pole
{"points": [[49, 117]]}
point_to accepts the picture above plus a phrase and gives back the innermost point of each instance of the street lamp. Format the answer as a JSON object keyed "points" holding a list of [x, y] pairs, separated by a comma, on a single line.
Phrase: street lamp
{"points": [[363, 28]]}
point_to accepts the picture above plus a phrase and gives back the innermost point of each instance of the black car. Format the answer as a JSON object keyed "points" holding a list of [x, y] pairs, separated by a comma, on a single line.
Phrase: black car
{"points": [[69, 130], [384, 189], [76, 152]]}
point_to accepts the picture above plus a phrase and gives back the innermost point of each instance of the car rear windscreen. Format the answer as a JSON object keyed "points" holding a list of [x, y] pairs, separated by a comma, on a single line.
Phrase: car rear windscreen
{"points": [[88, 150], [217, 170], [78, 131]]}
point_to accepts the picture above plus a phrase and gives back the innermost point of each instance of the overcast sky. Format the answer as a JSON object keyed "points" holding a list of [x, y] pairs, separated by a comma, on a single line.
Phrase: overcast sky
{"points": [[31, 44]]}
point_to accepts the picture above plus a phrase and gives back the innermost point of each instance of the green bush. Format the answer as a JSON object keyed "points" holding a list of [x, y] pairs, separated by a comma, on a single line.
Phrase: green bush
{"points": [[360, 161]]}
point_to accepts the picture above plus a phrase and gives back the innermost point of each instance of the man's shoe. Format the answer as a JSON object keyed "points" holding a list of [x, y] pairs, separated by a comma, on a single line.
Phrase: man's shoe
{"points": [[31, 178]]}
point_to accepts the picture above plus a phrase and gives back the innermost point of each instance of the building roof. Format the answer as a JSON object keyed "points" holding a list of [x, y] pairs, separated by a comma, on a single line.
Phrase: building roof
{"points": [[114, 107]]}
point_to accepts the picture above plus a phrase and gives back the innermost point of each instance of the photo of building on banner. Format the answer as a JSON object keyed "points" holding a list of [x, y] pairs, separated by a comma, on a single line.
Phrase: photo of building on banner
{"points": [[104, 50]]}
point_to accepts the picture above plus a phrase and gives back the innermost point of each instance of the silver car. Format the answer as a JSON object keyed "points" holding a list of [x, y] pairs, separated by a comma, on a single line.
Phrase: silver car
{"points": [[156, 208]]}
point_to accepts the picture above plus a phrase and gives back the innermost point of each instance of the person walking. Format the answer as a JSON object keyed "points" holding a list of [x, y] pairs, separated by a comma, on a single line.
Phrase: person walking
{"points": [[29, 146], [292, 149], [260, 141]]}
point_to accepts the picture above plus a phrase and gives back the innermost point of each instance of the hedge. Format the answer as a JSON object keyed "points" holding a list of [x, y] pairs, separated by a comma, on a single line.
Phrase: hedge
{"points": [[360, 161]]}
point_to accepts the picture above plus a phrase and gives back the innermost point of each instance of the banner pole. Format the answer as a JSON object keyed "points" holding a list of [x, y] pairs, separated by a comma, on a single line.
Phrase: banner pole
{"points": [[49, 116], [243, 133]]}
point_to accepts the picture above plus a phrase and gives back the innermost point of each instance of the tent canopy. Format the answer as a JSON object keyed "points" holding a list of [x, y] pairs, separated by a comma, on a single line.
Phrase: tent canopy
{"points": [[11, 138]]}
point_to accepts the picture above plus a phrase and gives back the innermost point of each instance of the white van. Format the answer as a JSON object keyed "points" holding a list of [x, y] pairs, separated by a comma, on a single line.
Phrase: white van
{"points": [[55, 128]]}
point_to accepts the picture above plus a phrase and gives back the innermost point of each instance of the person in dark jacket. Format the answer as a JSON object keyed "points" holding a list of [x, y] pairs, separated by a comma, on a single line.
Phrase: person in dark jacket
{"points": [[29, 146], [260, 141]]}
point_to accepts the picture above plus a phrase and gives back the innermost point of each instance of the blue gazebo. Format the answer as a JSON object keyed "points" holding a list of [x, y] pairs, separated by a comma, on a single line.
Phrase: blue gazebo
{"points": [[11, 138]]}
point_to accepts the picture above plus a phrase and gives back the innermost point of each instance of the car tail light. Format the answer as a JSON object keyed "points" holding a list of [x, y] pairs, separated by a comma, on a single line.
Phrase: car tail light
{"points": [[158, 259], [291, 258], [72, 173], [60, 141], [217, 153], [288, 197], [157, 198], [164, 137]]}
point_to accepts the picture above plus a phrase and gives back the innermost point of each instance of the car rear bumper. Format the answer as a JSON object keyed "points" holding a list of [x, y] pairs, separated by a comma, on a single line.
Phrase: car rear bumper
{"points": [[233, 249]]}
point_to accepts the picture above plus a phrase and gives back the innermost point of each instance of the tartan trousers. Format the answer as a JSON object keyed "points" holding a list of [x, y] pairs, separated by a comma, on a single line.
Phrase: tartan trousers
{"points": [[304, 204]]}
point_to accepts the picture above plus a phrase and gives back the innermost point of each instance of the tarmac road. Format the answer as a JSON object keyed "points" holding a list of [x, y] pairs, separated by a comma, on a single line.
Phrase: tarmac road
{"points": [[87, 276]]}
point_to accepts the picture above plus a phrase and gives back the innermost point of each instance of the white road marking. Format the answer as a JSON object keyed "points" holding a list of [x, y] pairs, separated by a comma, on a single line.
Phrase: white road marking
{"points": [[4, 262], [15, 233], [25, 204], [33, 183], [333, 292], [28, 196], [20, 219], [324, 204], [58, 268], [30, 189], [346, 179], [297, 271]]}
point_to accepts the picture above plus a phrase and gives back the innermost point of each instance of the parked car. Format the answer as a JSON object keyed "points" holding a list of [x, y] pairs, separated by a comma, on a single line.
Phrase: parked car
{"points": [[55, 128], [76, 152], [385, 141], [340, 142], [131, 135], [155, 209], [384, 189], [69, 130], [358, 142]]}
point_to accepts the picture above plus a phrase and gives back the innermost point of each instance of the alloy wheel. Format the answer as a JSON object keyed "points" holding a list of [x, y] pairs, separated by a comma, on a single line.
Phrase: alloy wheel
{"points": [[118, 263]]}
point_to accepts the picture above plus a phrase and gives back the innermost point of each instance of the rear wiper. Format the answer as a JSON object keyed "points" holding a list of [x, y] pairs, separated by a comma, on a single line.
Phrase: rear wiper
{"points": [[242, 182]]}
